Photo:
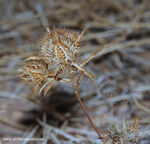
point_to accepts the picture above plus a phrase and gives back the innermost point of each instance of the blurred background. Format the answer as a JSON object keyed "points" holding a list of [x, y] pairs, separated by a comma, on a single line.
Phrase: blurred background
{"points": [[122, 70]]}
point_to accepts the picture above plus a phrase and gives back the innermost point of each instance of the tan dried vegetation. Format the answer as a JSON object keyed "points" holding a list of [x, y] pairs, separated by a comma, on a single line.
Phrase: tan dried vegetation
{"points": [[58, 47]]}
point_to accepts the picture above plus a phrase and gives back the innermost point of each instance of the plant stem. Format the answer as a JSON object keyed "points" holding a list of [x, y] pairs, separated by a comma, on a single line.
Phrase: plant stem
{"points": [[82, 105]]}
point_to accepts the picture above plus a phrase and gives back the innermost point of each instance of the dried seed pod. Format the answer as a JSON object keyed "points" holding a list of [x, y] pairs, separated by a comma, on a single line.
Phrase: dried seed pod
{"points": [[37, 63], [33, 71], [122, 133], [59, 46]]}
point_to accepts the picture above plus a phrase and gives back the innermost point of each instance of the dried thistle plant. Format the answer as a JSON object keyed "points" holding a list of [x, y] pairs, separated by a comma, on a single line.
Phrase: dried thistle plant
{"points": [[123, 134], [59, 47]]}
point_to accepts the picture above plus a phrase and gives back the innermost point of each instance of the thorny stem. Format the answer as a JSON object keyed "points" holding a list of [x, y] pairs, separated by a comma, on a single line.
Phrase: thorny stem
{"points": [[82, 105]]}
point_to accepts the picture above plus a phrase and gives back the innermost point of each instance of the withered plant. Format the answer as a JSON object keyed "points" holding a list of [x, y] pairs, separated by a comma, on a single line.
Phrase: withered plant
{"points": [[123, 133], [59, 47]]}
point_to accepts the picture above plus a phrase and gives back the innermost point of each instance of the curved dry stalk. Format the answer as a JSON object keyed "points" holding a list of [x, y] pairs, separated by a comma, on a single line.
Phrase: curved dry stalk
{"points": [[82, 105], [141, 106], [92, 56]]}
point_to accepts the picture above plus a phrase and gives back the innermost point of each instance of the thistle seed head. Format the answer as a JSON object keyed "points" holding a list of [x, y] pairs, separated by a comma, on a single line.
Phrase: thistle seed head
{"points": [[59, 46], [33, 70], [122, 134]]}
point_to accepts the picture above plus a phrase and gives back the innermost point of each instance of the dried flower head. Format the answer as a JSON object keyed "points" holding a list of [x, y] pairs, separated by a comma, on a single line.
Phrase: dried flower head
{"points": [[60, 46], [33, 71], [123, 134]]}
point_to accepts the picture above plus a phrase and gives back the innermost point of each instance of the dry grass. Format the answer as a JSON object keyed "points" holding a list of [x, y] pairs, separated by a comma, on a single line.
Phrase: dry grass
{"points": [[122, 70]]}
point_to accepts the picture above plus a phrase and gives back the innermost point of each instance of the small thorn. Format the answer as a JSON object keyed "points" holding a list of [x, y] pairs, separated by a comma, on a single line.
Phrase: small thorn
{"points": [[47, 29], [83, 31]]}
